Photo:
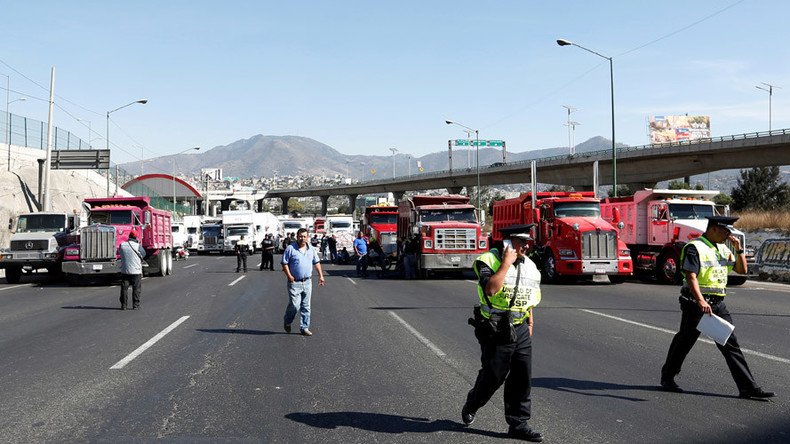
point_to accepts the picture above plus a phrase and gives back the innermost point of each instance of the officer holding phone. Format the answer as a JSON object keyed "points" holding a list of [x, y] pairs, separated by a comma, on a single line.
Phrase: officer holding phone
{"points": [[508, 288]]}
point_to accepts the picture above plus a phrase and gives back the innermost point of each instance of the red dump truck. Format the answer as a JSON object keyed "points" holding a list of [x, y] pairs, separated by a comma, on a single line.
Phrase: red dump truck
{"points": [[380, 222], [571, 238], [93, 250], [446, 229]]}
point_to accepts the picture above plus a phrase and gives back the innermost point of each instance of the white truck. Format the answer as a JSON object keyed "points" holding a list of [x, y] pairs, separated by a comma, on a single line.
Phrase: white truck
{"points": [[267, 223], [293, 224], [34, 243], [192, 226], [341, 226], [237, 223]]}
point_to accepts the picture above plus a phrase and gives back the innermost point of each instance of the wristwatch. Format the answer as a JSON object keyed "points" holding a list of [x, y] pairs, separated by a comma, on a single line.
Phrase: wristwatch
{"points": [[738, 251]]}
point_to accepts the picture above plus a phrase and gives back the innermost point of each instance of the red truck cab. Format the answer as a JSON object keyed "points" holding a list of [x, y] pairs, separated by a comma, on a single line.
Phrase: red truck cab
{"points": [[93, 250], [380, 222], [571, 238]]}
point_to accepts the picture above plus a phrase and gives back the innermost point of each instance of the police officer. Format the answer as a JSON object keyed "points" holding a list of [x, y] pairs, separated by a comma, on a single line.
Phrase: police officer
{"points": [[706, 262], [509, 287], [267, 256], [242, 248]]}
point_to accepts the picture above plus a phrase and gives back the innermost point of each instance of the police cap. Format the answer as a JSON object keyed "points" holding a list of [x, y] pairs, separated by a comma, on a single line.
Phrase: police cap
{"points": [[521, 231], [722, 221]]}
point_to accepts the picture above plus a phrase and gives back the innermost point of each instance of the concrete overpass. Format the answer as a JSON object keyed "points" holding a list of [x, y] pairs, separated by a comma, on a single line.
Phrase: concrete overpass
{"points": [[641, 166]]}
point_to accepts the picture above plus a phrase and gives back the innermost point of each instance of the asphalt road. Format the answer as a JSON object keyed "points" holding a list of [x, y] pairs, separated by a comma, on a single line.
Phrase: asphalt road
{"points": [[390, 361]]}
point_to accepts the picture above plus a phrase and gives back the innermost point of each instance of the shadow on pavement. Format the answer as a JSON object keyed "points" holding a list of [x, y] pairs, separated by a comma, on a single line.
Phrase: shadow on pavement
{"points": [[89, 307], [383, 423], [241, 331], [580, 386]]}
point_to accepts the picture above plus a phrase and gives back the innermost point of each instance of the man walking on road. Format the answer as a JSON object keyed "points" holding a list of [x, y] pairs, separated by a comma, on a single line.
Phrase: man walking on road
{"points": [[132, 254], [267, 254], [298, 261], [706, 262], [361, 249], [507, 290]]}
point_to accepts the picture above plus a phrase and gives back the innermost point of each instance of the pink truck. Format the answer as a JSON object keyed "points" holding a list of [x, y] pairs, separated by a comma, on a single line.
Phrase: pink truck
{"points": [[93, 249]]}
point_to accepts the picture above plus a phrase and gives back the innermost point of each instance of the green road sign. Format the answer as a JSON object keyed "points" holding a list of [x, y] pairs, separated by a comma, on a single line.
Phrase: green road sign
{"points": [[483, 143]]}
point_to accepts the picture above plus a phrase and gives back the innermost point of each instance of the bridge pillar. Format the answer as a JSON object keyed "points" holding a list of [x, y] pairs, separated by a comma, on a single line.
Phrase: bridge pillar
{"points": [[352, 203], [398, 196], [454, 190], [324, 205], [285, 204]]}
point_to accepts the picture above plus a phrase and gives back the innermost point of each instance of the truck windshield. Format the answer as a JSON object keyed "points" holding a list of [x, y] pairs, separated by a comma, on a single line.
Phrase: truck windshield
{"points": [[292, 225], [211, 231], [577, 209], [465, 215], [192, 230], [122, 217], [383, 218], [690, 211], [32, 223], [340, 224], [239, 231]]}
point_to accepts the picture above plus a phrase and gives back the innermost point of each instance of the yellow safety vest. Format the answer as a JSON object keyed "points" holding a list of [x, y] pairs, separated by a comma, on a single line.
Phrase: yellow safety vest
{"points": [[715, 263], [528, 292]]}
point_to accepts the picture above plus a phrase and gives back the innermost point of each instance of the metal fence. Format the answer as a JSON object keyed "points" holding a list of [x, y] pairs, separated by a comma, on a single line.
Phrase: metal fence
{"points": [[32, 133]]}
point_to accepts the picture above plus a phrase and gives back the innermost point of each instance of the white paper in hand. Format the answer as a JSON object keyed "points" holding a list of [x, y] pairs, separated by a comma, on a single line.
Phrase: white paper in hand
{"points": [[715, 328]]}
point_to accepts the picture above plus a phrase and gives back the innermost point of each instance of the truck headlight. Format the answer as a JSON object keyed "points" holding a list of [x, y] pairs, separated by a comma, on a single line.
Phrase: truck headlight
{"points": [[625, 252], [428, 243], [72, 251], [6, 256], [482, 243], [567, 252]]}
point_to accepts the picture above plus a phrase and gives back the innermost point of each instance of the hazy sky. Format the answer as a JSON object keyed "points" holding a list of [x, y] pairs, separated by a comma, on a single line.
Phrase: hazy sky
{"points": [[364, 76]]}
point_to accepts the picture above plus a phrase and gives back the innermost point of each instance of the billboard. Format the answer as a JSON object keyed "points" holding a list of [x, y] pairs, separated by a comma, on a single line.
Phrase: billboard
{"points": [[678, 128]]}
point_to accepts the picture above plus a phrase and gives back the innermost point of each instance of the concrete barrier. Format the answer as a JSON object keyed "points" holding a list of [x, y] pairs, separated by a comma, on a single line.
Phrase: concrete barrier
{"points": [[773, 259]]}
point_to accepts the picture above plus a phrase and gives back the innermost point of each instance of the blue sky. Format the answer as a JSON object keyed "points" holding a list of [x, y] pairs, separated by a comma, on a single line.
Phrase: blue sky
{"points": [[366, 76]]}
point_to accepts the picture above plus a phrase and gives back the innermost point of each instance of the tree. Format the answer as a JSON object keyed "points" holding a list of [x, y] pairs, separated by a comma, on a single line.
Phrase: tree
{"points": [[722, 199], [760, 189]]}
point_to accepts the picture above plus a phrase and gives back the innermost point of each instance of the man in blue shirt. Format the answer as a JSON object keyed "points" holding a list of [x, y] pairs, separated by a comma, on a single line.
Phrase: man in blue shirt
{"points": [[298, 261], [361, 249]]}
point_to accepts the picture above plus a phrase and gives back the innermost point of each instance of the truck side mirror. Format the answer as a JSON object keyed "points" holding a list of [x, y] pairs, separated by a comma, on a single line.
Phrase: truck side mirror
{"points": [[615, 215], [10, 223], [147, 218]]}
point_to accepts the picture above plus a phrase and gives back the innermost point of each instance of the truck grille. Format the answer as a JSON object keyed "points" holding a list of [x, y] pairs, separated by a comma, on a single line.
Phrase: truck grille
{"points": [[456, 239], [210, 240], [599, 245], [21, 245], [97, 242]]}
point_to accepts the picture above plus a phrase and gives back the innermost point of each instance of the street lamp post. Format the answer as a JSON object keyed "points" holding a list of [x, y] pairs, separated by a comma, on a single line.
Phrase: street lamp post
{"points": [[107, 134], [563, 42], [394, 150], [770, 90], [477, 161], [8, 116], [197, 148]]}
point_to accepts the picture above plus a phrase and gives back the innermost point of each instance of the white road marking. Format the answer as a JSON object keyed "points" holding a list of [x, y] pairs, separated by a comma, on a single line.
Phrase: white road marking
{"points": [[420, 337], [707, 341], [351, 280], [15, 286], [259, 264], [188, 266], [237, 280], [144, 278], [120, 364], [469, 280]]}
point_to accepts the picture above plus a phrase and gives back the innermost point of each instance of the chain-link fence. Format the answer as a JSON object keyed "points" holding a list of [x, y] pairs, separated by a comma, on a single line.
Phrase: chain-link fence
{"points": [[32, 133]]}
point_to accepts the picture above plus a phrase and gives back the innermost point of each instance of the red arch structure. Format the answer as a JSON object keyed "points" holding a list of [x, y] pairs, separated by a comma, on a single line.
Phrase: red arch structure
{"points": [[162, 184]]}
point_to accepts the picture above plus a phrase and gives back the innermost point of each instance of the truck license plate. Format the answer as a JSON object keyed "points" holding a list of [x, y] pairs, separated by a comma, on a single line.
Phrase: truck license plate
{"points": [[97, 267], [600, 271], [25, 255], [455, 259]]}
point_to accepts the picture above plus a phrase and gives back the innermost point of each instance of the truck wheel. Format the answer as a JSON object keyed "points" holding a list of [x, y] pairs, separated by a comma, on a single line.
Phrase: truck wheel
{"points": [[161, 264], [13, 275], [549, 270], [668, 271], [169, 264], [616, 279]]}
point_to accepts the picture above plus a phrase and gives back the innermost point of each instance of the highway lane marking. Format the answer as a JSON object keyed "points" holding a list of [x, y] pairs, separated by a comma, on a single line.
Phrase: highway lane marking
{"points": [[419, 336], [193, 265], [237, 280], [351, 280], [120, 364], [16, 286], [707, 341]]}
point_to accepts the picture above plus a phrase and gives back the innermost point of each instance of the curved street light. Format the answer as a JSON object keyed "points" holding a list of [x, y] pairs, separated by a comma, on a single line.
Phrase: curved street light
{"points": [[563, 42], [8, 117], [477, 161], [107, 134]]}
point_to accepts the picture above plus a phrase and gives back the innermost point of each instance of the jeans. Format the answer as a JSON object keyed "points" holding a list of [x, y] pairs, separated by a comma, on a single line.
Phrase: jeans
{"points": [[362, 265], [299, 299], [409, 263], [134, 281]]}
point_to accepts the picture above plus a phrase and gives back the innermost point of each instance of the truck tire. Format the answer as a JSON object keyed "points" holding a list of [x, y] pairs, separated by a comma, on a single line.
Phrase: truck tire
{"points": [[161, 262], [13, 275], [668, 270], [549, 269], [169, 264]]}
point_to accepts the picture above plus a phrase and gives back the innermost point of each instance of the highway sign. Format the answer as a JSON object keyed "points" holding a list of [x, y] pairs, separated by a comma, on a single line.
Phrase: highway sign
{"points": [[483, 143]]}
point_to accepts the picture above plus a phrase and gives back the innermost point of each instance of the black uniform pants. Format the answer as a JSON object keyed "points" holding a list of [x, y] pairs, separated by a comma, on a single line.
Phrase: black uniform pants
{"points": [[135, 281], [509, 364], [687, 335], [267, 260], [241, 260]]}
